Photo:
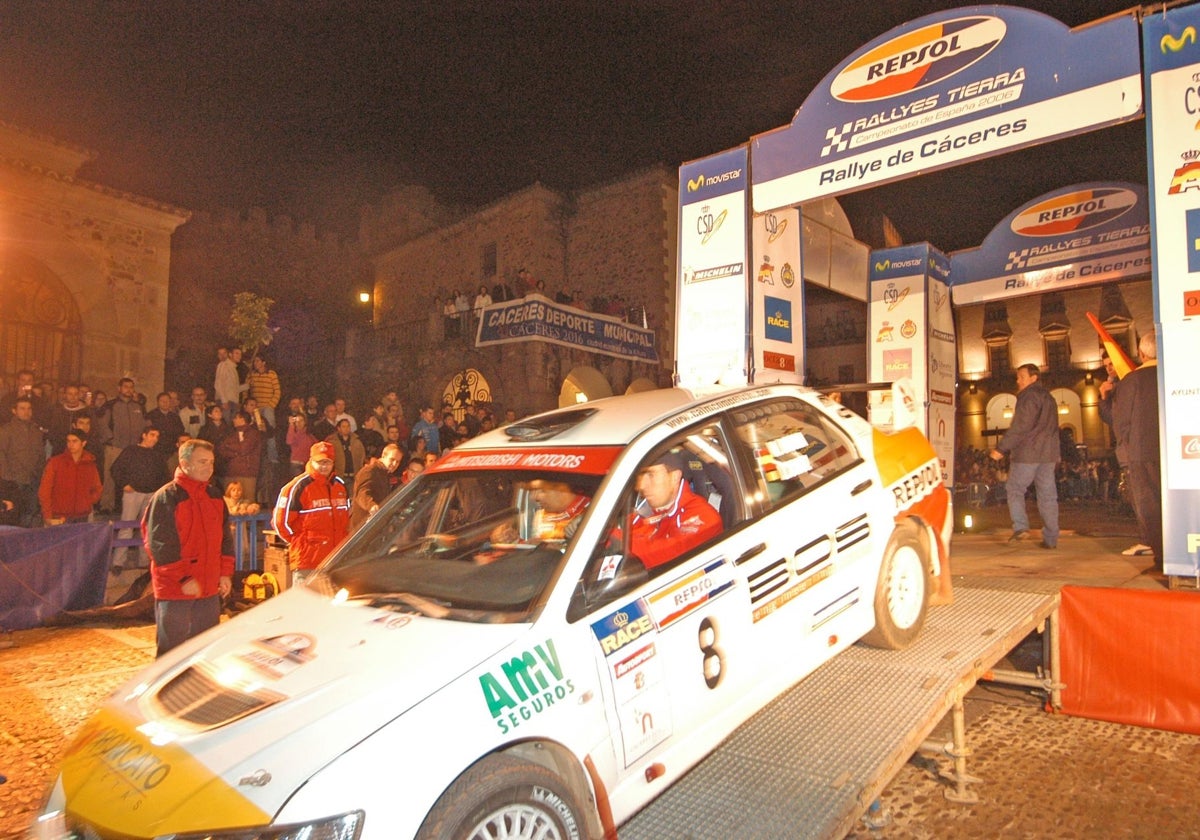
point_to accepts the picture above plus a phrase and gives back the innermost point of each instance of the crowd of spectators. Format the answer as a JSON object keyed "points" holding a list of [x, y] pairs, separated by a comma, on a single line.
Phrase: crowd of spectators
{"points": [[70, 454], [1078, 478]]}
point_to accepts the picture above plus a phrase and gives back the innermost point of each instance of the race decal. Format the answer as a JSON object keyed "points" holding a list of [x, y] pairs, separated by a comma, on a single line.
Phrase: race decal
{"points": [[627, 638]]}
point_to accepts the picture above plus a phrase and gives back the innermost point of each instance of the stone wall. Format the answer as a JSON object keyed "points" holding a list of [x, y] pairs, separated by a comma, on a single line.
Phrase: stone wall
{"points": [[100, 256], [314, 280]]}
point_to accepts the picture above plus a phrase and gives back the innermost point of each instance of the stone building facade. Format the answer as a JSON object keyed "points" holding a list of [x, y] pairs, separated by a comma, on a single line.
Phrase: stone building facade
{"points": [[1052, 331], [313, 278], [609, 249], [84, 271]]}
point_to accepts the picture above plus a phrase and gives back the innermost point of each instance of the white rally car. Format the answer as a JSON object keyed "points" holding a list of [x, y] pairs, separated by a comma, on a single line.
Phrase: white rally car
{"points": [[479, 661]]}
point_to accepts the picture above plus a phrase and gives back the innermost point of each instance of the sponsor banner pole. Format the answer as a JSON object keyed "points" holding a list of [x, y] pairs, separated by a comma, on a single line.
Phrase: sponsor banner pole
{"points": [[896, 312], [777, 334], [1172, 66], [942, 362], [711, 301]]}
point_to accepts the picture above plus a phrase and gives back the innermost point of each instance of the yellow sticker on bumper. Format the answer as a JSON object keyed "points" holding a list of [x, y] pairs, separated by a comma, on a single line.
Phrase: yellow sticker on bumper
{"points": [[116, 779]]}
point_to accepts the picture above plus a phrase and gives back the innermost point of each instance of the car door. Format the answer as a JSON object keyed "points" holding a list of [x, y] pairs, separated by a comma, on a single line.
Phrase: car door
{"points": [[670, 639], [811, 577]]}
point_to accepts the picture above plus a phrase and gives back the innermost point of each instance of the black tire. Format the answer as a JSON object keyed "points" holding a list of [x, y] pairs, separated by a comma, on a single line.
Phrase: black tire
{"points": [[902, 593], [525, 799]]}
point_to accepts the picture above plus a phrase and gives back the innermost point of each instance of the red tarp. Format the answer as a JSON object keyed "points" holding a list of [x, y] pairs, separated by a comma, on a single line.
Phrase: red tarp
{"points": [[1130, 656]]}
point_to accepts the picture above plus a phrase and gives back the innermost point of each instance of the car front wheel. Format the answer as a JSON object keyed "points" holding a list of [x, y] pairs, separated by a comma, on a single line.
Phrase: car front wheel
{"points": [[503, 797], [902, 593]]}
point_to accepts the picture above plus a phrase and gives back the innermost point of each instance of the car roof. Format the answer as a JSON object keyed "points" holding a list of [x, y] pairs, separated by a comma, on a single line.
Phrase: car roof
{"points": [[613, 421]]}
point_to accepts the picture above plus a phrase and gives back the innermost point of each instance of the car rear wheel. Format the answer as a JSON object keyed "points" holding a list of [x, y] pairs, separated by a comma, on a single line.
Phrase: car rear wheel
{"points": [[503, 797], [902, 593]]}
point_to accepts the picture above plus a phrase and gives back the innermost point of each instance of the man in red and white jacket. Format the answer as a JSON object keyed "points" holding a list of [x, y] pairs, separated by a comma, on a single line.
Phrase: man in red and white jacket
{"points": [[312, 514], [190, 548]]}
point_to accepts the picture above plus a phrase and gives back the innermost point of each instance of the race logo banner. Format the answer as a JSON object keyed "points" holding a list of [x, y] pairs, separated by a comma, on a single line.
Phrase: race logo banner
{"points": [[1170, 45], [946, 89], [1073, 236], [777, 302], [536, 317], [710, 299]]}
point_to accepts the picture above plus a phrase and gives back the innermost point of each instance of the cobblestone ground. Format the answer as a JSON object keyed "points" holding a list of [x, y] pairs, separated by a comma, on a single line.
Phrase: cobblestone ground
{"points": [[1044, 776], [51, 680], [1048, 776]]}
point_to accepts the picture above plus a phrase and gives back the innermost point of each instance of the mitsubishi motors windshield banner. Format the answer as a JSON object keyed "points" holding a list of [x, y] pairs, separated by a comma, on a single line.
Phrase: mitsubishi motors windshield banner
{"points": [[1073, 236], [945, 89], [711, 300], [1170, 44]]}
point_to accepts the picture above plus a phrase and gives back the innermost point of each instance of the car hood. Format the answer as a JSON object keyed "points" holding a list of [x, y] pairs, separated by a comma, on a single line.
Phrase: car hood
{"points": [[222, 733]]}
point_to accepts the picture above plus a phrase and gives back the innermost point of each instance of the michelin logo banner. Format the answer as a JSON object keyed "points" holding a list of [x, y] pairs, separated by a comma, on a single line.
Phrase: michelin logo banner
{"points": [[540, 318]]}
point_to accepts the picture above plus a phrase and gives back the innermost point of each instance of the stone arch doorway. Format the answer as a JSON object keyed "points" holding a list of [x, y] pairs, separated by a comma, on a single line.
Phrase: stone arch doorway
{"points": [[583, 384], [465, 390], [40, 326]]}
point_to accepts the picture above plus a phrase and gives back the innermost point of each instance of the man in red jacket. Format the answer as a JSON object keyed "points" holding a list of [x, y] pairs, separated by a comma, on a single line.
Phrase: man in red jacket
{"points": [[190, 548], [70, 483], [312, 514], [672, 519]]}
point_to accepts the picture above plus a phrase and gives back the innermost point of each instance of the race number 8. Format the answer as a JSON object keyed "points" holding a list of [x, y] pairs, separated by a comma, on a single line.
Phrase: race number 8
{"points": [[713, 663]]}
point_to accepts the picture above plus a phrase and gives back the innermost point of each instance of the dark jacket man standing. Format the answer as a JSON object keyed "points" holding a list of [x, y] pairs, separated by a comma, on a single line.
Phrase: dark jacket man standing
{"points": [[1135, 423], [1032, 445]]}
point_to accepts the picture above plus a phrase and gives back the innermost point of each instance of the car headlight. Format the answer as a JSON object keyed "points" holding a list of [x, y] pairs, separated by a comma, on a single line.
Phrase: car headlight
{"points": [[343, 827]]}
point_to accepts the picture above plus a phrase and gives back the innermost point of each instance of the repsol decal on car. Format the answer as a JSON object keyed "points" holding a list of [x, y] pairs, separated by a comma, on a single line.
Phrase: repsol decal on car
{"points": [[623, 627], [525, 686], [115, 774], [690, 592]]}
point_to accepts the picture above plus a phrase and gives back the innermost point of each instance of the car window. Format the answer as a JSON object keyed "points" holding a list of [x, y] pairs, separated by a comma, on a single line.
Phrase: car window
{"points": [[793, 447], [476, 545], [682, 497]]}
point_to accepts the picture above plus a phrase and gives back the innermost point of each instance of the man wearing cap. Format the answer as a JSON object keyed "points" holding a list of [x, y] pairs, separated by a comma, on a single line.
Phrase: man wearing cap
{"points": [[312, 514], [671, 519]]}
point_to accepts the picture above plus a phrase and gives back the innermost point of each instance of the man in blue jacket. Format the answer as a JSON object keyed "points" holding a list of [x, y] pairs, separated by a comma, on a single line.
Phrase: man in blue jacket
{"points": [[1032, 445]]}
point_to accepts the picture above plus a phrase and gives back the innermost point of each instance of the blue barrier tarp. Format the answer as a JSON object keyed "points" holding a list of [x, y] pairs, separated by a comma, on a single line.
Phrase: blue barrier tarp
{"points": [[44, 571]]}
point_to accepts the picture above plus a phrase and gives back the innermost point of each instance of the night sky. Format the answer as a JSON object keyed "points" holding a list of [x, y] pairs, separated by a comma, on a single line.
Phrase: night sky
{"points": [[317, 108]]}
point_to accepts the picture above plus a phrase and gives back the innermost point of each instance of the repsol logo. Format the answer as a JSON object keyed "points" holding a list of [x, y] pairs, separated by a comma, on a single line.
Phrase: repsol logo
{"points": [[938, 51], [1074, 212]]}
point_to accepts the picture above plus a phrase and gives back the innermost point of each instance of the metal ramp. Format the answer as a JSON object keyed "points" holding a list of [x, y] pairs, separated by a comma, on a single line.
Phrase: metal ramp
{"points": [[810, 764]]}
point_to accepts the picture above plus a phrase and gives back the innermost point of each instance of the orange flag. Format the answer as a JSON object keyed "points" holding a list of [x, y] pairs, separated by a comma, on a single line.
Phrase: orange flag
{"points": [[1120, 359]]}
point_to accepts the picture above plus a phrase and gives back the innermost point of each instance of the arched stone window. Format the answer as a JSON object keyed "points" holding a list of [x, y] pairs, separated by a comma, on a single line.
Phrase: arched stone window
{"points": [[40, 327]]}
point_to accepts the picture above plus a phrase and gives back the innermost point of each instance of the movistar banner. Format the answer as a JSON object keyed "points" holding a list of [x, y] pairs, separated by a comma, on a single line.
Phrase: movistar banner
{"points": [[1074, 236], [711, 301], [946, 89], [912, 338], [1171, 44], [536, 317]]}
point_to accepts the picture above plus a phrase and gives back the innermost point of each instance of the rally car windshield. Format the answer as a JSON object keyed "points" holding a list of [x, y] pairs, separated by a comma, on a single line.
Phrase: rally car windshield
{"points": [[475, 546]]}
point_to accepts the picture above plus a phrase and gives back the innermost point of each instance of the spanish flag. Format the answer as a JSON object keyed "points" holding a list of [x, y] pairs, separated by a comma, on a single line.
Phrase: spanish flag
{"points": [[1120, 359]]}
